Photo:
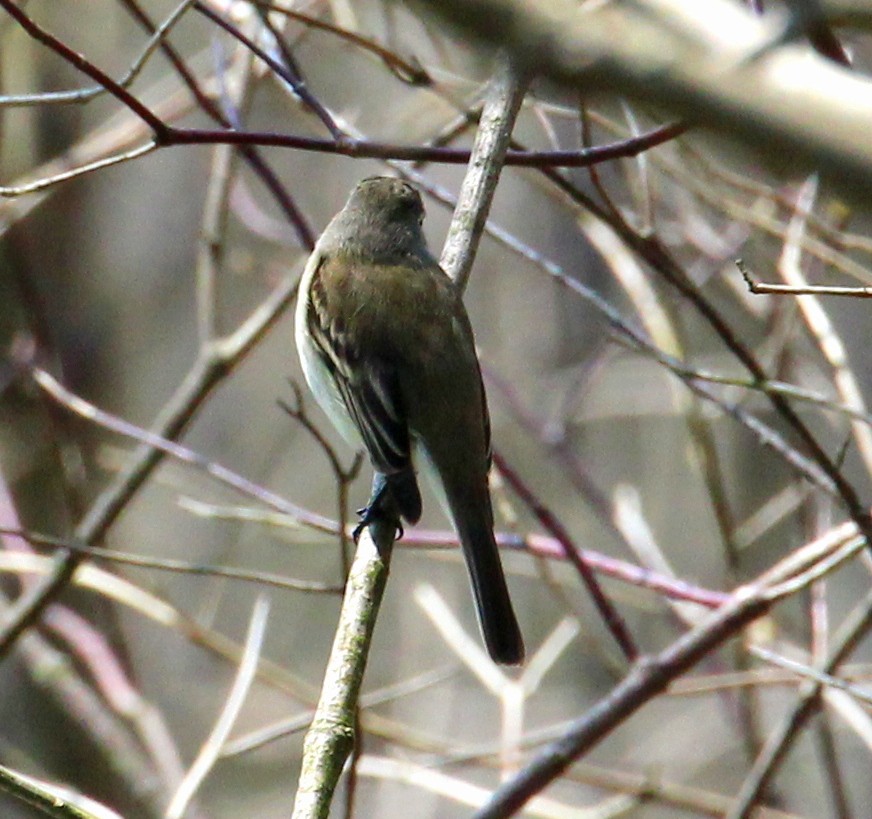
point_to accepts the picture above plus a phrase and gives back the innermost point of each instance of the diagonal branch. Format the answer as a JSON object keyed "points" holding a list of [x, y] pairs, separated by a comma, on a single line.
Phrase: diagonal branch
{"points": [[651, 676]]}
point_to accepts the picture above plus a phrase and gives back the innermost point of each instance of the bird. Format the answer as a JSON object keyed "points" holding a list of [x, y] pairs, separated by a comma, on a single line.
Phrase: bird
{"points": [[387, 349]]}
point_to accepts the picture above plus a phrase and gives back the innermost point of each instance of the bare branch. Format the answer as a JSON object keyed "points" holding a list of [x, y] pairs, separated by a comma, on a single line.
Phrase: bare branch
{"points": [[211, 748]]}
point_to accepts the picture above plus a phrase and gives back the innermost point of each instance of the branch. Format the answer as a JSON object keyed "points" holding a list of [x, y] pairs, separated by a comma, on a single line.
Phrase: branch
{"points": [[115, 88], [653, 675], [713, 63], [488, 154], [211, 748], [330, 737], [853, 630], [50, 799], [549, 521]]}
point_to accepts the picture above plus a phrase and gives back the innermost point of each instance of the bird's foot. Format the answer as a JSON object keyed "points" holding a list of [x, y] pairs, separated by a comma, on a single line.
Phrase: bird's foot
{"points": [[373, 514], [380, 509]]}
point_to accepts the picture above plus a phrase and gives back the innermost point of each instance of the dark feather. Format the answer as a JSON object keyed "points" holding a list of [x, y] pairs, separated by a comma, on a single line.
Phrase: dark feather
{"points": [[367, 384]]}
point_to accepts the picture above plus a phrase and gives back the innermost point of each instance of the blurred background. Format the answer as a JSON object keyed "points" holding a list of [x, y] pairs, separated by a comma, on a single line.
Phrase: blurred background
{"points": [[118, 282]]}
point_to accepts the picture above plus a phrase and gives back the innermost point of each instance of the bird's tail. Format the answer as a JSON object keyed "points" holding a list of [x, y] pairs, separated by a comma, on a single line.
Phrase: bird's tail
{"points": [[502, 635], [466, 500]]}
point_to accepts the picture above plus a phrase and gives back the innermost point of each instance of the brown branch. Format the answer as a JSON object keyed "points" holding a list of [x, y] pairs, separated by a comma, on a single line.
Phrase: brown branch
{"points": [[257, 163], [761, 288], [167, 135], [288, 72], [651, 676], [855, 627], [655, 254], [165, 564], [541, 545], [367, 149], [344, 475], [647, 679]]}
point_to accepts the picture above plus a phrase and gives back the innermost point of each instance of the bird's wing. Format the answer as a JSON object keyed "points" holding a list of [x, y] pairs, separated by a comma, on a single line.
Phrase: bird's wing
{"points": [[367, 385]]}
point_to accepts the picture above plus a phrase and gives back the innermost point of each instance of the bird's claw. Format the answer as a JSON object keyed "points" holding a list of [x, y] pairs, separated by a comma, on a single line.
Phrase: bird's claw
{"points": [[372, 514]]}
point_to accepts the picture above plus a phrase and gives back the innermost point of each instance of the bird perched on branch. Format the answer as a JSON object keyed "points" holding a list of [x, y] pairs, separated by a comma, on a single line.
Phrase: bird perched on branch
{"points": [[387, 349]]}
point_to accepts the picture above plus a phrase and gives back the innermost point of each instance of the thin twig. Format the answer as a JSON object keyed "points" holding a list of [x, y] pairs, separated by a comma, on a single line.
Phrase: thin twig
{"points": [[51, 799], [344, 475], [650, 676], [371, 149], [293, 75], [45, 182], [251, 155], [764, 288], [412, 73], [831, 769], [164, 445], [166, 135], [286, 727], [809, 467], [820, 325], [83, 95], [103, 715], [211, 748], [856, 625], [534, 544], [85, 66], [810, 673], [166, 564], [654, 252]]}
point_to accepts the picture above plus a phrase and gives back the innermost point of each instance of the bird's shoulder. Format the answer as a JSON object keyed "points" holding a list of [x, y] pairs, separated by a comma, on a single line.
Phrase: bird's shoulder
{"points": [[378, 298], [343, 275]]}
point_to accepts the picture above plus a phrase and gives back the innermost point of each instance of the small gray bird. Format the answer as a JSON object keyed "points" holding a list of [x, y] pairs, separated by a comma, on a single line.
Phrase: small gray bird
{"points": [[387, 349]]}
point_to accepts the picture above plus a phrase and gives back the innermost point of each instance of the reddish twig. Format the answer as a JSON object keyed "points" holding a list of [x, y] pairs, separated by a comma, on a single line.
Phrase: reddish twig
{"points": [[368, 149], [167, 135]]}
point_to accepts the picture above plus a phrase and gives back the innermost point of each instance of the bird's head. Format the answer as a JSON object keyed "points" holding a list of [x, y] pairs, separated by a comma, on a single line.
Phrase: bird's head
{"points": [[381, 221]]}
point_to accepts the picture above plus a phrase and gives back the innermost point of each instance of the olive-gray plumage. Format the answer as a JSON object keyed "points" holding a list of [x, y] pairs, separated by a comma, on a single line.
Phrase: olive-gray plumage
{"points": [[388, 351]]}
